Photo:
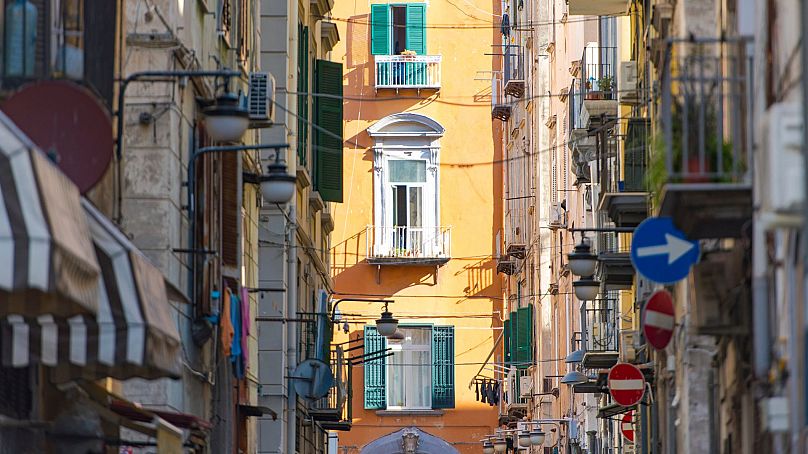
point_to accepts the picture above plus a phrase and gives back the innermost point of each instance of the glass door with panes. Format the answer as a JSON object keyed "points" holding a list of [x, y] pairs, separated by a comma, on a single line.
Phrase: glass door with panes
{"points": [[409, 371], [410, 225]]}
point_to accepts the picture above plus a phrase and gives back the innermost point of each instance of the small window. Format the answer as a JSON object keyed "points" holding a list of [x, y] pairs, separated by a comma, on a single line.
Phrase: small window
{"points": [[409, 372], [396, 28]]}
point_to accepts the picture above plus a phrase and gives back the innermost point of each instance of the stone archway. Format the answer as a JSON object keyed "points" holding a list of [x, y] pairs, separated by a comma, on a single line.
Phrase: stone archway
{"points": [[393, 443]]}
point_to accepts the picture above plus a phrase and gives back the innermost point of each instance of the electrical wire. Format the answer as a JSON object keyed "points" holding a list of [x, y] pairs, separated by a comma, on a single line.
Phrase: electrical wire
{"points": [[522, 27]]}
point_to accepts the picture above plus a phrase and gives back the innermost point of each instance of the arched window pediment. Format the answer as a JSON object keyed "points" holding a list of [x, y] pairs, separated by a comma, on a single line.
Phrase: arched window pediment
{"points": [[406, 124]]}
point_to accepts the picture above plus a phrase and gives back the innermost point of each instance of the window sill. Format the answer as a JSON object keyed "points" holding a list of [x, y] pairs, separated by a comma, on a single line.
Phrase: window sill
{"points": [[409, 412]]}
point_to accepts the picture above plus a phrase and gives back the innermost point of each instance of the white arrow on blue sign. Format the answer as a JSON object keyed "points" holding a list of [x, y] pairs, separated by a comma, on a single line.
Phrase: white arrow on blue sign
{"points": [[662, 253]]}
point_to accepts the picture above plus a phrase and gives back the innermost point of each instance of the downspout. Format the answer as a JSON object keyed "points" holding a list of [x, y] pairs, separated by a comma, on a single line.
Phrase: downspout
{"points": [[801, 323], [291, 234]]}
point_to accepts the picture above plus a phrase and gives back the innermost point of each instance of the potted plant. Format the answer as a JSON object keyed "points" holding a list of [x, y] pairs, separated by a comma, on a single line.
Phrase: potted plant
{"points": [[605, 86]]}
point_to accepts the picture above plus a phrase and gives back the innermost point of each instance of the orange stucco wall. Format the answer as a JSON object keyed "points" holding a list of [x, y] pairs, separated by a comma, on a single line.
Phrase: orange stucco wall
{"points": [[465, 292]]}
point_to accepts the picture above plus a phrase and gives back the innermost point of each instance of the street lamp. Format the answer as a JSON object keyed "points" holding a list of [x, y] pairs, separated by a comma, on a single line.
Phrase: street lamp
{"points": [[586, 288], [524, 439], [225, 119], [581, 260], [536, 437], [500, 445], [386, 325], [278, 186], [574, 378], [488, 447], [575, 357]]}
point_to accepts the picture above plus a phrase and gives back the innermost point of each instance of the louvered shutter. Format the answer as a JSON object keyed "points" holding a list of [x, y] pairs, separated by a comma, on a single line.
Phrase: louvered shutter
{"points": [[379, 30], [375, 380], [328, 116], [513, 326], [443, 367], [506, 340], [524, 337], [416, 28], [231, 210], [302, 95]]}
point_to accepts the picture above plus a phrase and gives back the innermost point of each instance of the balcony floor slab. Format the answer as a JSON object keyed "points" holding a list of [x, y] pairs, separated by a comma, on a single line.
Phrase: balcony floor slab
{"points": [[708, 210], [626, 209]]}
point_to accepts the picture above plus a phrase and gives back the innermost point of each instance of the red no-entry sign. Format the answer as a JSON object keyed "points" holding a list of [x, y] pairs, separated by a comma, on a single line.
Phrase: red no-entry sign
{"points": [[626, 384], [627, 426], [658, 319]]}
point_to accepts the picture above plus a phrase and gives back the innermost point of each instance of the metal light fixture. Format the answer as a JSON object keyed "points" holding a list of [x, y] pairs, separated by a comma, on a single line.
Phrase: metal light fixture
{"points": [[537, 438], [586, 288], [488, 447], [226, 120], [500, 445], [575, 357], [524, 439], [386, 325], [581, 260], [397, 336], [574, 378], [278, 186]]}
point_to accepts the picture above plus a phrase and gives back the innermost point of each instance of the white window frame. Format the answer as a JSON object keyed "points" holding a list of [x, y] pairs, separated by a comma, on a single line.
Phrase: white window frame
{"points": [[400, 347]]}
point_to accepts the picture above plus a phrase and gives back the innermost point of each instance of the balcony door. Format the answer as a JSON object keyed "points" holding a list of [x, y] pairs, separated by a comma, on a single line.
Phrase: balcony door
{"points": [[411, 216]]}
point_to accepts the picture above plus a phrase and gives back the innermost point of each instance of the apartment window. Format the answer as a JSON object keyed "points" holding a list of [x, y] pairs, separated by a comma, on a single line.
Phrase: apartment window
{"points": [[72, 39], [398, 27], [419, 375]]}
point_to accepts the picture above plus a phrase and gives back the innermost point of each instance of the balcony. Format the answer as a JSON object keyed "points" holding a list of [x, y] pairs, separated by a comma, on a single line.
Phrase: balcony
{"points": [[403, 245], [514, 70], [408, 71], [599, 100], [500, 102], [597, 7], [705, 183], [623, 195], [333, 411], [601, 338]]}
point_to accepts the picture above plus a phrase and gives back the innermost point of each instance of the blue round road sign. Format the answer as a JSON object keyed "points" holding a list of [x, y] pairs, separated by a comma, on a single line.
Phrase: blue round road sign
{"points": [[661, 252]]}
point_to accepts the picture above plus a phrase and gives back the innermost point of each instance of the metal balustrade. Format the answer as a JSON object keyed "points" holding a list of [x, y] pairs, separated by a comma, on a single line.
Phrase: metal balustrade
{"points": [[405, 242], [408, 71]]}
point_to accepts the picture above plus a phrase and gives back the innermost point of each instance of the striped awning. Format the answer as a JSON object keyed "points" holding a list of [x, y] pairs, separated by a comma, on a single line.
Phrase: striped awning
{"points": [[47, 263], [132, 335]]}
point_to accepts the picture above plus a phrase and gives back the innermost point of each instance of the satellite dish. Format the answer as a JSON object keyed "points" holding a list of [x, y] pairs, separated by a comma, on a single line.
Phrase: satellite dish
{"points": [[312, 379]]}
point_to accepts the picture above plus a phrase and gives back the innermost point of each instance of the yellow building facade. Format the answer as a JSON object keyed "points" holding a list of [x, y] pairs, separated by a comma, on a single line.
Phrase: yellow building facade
{"points": [[419, 223]]}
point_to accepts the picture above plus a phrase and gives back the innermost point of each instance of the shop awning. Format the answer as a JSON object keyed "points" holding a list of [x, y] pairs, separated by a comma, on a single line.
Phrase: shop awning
{"points": [[48, 264], [133, 333]]}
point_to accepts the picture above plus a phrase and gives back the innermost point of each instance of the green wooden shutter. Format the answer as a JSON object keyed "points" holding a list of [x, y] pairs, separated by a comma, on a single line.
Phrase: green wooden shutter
{"points": [[524, 337], [380, 30], [416, 28], [303, 94], [443, 367], [375, 371], [328, 116], [506, 340]]}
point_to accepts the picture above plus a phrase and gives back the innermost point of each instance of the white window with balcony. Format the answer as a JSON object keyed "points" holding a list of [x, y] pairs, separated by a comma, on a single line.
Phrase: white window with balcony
{"points": [[398, 44], [407, 191]]}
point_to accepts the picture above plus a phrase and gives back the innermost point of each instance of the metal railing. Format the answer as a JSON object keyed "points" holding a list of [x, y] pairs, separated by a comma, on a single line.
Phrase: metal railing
{"points": [[338, 398], [598, 71], [574, 102], [706, 111], [408, 71], [600, 328], [409, 242]]}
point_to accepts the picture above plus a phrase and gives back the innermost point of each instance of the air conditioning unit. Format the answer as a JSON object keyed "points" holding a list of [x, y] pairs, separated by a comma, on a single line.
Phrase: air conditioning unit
{"points": [[557, 217], [261, 100], [526, 386], [628, 352], [627, 83], [782, 158]]}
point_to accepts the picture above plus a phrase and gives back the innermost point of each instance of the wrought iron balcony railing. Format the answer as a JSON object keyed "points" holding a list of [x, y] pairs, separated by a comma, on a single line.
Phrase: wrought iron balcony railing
{"points": [[406, 243], [408, 71], [598, 71], [334, 410], [600, 332], [702, 165], [500, 102], [514, 70]]}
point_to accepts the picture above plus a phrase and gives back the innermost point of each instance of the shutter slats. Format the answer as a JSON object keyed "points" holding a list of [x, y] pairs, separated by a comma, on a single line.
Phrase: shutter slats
{"points": [[375, 382], [303, 97], [231, 209], [328, 116], [380, 30], [443, 367], [416, 28], [524, 336]]}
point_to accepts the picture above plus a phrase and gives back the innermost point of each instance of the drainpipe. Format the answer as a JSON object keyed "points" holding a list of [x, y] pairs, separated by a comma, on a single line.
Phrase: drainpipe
{"points": [[291, 329], [801, 325]]}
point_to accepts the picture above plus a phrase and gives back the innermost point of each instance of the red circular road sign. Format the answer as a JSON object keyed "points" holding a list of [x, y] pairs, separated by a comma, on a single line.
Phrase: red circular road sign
{"points": [[69, 123], [626, 384], [627, 426], [658, 319]]}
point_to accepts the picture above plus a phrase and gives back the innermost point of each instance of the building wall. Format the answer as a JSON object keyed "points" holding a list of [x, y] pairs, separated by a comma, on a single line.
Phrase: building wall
{"points": [[465, 292]]}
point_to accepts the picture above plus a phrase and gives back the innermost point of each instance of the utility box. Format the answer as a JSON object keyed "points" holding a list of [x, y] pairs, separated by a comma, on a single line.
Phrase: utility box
{"points": [[781, 159]]}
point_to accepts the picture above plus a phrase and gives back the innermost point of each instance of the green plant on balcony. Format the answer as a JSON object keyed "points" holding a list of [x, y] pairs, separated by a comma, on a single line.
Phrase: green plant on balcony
{"points": [[694, 168], [605, 84]]}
